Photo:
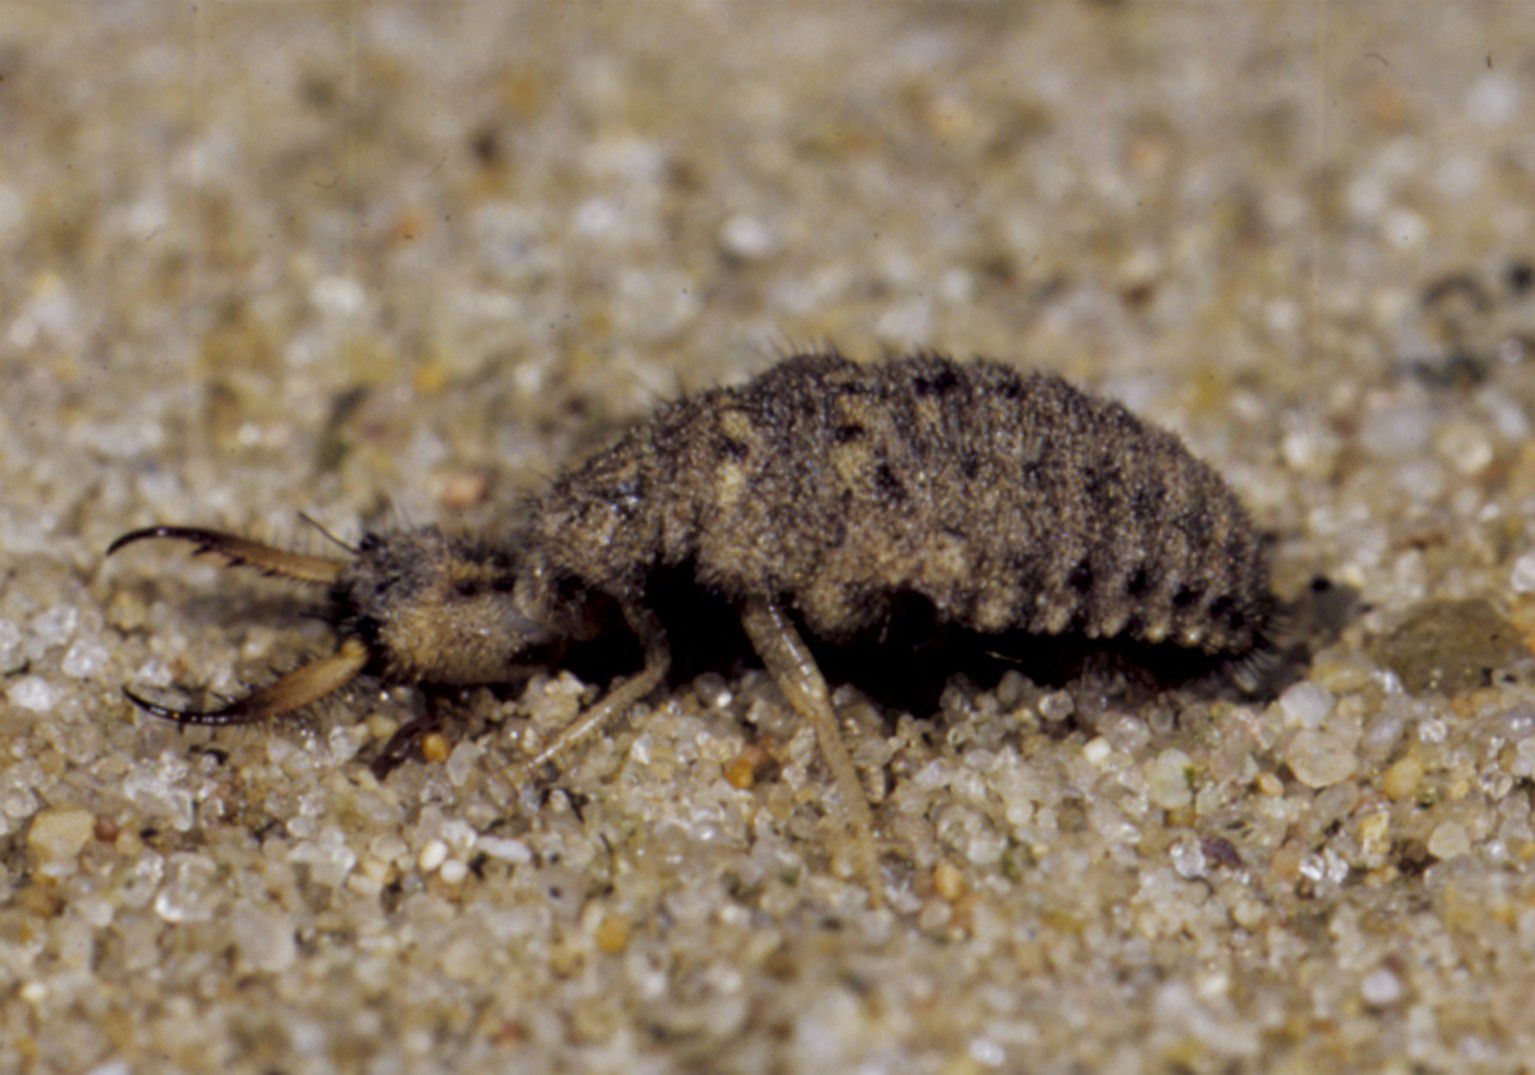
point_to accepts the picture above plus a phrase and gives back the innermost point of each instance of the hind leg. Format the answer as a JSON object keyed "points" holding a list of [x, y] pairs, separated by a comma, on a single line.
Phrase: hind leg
{"points": [[794, 670]]}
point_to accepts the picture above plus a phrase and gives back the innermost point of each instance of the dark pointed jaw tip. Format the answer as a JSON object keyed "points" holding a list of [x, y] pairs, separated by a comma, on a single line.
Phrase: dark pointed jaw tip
{"points": [[303, 686], [235, 713], [182, 533]]}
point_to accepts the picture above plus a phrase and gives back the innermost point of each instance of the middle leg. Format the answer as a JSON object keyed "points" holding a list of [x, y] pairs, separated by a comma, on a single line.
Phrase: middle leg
{"points": [[617, 701], [789, 662]]}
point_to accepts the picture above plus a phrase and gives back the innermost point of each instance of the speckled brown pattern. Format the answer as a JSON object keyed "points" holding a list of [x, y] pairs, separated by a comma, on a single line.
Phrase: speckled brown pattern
{"points": [[1009, 500]]}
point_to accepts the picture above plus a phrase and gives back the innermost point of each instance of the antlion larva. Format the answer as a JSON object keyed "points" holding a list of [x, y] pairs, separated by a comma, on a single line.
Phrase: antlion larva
{"points": [[813, 499]]}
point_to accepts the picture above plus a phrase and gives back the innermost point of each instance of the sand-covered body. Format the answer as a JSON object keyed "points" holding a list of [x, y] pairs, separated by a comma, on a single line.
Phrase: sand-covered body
{"points": [[1009, 500]]}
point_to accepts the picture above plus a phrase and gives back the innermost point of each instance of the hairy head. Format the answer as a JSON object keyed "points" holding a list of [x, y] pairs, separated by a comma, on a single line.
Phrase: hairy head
{"points": [[413, 606], [436, 608]]}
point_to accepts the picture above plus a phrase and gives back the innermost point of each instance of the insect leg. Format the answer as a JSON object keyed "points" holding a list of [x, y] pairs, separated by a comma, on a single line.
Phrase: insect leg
{"points": [[620, 698], [794, 670], [406, 741]]}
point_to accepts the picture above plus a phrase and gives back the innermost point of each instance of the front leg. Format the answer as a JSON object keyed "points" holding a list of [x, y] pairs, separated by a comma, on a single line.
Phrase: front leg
{"points": [[406, 742], [794, 670], [617, 701]]}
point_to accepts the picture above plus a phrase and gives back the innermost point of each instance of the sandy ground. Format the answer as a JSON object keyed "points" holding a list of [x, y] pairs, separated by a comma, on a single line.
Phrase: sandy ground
{"points": [[398, 262]]}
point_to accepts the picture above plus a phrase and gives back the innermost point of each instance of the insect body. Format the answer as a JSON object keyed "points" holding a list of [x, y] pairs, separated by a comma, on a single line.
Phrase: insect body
{"points": [[813, 499]]}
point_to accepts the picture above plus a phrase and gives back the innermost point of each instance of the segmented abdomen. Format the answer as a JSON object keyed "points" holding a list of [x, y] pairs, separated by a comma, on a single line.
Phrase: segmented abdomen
{"points": [[1009, 500]]}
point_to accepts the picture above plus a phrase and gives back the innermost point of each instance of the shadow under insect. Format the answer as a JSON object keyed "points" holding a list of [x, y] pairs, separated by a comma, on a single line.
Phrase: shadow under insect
{"points": [[906, 666]]}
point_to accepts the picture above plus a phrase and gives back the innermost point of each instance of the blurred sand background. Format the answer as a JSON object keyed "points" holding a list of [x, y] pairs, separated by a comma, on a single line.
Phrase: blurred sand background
{"points": [[399, 261]]}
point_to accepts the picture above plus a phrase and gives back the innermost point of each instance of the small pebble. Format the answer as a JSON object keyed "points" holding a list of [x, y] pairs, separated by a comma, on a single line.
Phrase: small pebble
{"points": [[34, 693], [1057, 706], [1168, 778], [85, 659], [1248, 913], [338, 296], [464, 489], [433, 855], [505, 849], [1523, 580], [948, 881], [58, 833], [56, 626], [1524, 758], [435, 747], [1493, 99], [462, 762], [11, 655], [1380, 988], [1374, 833], [453, 871], [1188, 858], [747, 238], [263, 938], [740, 773], [1319, 759], [381, 726], [126, 611], [1449, 840], [1306, 705], [1400, 781], [1466, 445], [1097, 750], [613, 934], [713, 690], [1270, 785]]}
